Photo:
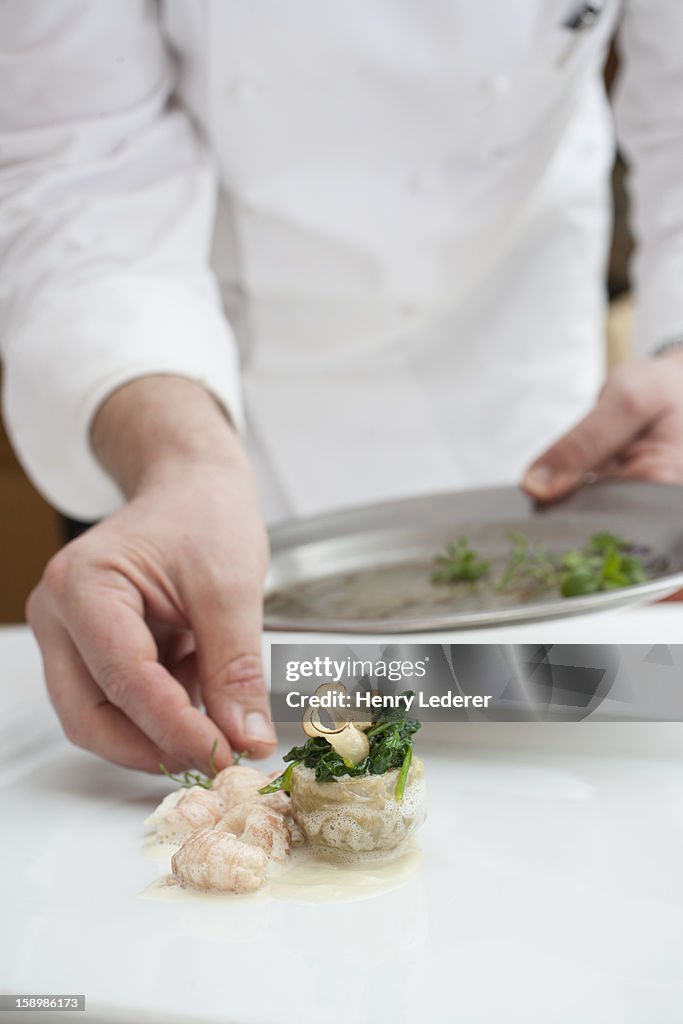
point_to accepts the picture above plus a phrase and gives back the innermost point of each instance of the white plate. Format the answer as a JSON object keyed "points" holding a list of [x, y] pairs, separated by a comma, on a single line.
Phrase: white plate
{"points": [[550, 890]]}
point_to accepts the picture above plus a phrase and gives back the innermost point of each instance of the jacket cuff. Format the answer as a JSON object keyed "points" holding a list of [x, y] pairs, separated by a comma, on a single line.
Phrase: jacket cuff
{"points": [[75, 348]]}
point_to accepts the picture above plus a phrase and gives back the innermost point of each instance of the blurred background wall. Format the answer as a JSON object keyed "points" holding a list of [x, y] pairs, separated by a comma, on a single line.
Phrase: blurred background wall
{"points": [[29, 534], [30, 531]]}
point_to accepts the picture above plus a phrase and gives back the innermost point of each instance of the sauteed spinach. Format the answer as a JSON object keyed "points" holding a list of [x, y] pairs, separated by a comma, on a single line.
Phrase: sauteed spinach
{"points": [[391, 746]]}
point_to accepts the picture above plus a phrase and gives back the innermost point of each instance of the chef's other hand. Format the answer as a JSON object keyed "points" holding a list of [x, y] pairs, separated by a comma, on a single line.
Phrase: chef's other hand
{"points": [[159, 607], [635, 431]]}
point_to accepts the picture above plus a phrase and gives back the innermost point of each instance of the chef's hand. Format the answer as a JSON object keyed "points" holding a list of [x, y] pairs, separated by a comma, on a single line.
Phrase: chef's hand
{"points": [[159, 606], [635, 431]]}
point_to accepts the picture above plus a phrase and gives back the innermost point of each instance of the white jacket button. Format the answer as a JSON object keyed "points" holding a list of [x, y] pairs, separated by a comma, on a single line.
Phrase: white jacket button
{"points": [[241, 90], [408, 311], [420, 182], [498, 85]]}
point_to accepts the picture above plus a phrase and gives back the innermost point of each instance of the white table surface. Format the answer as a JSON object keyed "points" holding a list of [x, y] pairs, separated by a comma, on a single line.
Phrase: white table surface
{"points": [[551, 887]]}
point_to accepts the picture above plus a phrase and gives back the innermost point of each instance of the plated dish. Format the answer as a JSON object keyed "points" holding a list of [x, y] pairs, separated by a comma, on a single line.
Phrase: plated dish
{"points": [[352, 793]]}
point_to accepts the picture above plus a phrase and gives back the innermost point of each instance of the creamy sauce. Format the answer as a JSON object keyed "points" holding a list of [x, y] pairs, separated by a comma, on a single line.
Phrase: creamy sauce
{"points": [[158, 851], [304, 879]]}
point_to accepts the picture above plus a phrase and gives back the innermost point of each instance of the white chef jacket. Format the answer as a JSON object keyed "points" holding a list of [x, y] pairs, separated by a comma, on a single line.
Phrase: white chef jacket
{"points": [[393, 215]]}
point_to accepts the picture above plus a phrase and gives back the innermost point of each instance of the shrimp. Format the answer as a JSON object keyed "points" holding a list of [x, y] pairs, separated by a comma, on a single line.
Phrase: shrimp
{"points": [[257, 825], [238, 784], [216, 861], [181, 813]]}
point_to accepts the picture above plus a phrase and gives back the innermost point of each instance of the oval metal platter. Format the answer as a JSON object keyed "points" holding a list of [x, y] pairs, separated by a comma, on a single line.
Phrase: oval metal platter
{"points": [[368, 570]]}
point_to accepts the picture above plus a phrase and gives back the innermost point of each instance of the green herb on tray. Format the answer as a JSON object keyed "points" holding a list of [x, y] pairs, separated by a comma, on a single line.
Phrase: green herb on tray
{"points": [[461, 562], [606, 562], [529, 566]]}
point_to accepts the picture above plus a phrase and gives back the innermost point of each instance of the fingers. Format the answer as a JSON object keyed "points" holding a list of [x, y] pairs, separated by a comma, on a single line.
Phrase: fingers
{"points": [[226, 616], [87, 718], [187, 674], [180, 658], [626, 407], [653, 460], [656, 469], [106, 624]]}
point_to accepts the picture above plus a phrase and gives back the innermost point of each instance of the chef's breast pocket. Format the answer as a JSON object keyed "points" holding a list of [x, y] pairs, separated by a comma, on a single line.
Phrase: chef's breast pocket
{"points": [[550, 64], [579, 38]]}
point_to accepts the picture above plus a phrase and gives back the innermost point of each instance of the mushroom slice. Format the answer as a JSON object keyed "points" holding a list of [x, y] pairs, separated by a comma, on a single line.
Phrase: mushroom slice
{"points": [[338, 712], [314, 728], [351, 744]]}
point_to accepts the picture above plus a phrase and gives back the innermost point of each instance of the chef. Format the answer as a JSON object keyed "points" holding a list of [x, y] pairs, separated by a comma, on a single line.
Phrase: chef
{"points": [[266, 258]]}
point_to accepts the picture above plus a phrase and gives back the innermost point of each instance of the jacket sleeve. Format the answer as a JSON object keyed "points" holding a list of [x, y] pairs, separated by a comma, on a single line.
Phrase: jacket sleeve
{"points": [[106, 212], [649, 115]]}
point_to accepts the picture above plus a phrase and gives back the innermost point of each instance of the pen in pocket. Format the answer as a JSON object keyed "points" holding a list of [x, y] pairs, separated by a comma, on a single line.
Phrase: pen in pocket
{"points": [[581, 17]]}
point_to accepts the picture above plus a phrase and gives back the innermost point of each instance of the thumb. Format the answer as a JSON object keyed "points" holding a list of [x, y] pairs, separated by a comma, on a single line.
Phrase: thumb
{"points": [[603, 434], [227, 623]]}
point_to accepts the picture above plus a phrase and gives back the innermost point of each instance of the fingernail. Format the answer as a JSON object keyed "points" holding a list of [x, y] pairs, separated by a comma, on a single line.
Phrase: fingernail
{"points": [[539, 478], [258, 728]]}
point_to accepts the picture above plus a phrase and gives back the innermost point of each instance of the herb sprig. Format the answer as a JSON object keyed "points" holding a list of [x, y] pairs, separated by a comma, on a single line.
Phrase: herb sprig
{"points": [[606, 562], [461, 562], [391, 745], [529, 566], [189, 779]]}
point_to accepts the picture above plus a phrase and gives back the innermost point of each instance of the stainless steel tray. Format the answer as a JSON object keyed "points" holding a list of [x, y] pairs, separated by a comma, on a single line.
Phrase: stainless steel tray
{"points": [[365, 570]]}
